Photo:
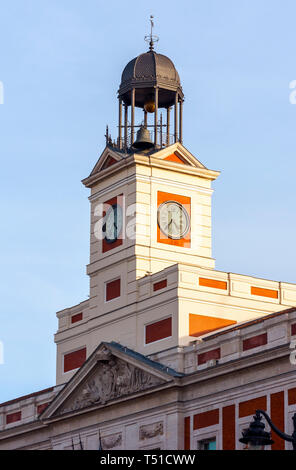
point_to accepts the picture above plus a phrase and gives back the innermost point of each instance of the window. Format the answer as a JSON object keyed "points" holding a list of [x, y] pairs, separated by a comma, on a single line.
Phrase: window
{"points": [[112, 290], [207, 444]]}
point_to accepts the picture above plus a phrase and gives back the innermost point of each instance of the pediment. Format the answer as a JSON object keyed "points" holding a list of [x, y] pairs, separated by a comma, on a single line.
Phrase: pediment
{"points": [[178, 154], [110, 374], [108, 158]]}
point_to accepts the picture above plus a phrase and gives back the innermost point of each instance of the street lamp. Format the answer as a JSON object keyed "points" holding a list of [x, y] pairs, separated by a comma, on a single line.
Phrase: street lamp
{"points": [[256, 438]]}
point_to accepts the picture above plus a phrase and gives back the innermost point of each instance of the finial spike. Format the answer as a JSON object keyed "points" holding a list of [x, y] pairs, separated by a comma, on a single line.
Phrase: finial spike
{"points": [[152, 39]]}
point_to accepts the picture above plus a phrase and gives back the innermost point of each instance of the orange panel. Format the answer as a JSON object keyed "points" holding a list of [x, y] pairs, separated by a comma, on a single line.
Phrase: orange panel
{"points": [[76, 318], [175, 158], [208, 418], [109, 246], [186, 202], [187, 433], [201, 324], [248, 408], [228, 426], [292, 396], [277, 406], [109, 162], [13, 417], [212, 283], [160, 285], [273, 294], [74, 360], [158, 330], [112, 290], [254, 342]]}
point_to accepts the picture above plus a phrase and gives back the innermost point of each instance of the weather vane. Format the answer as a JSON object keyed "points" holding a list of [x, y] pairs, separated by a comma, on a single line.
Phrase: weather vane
{"points": [[152, 39]]}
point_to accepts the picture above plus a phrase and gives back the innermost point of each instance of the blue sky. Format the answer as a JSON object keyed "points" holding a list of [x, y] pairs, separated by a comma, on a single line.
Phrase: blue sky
{"points": [[61, 63]]}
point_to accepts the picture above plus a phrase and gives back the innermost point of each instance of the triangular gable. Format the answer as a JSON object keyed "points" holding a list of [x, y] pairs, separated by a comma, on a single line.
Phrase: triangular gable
{"points": [[112, 372], [176, 159], [177, 153], [108, 158]]}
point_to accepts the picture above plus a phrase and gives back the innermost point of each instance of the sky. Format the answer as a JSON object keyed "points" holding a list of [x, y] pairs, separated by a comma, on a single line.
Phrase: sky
{"points": [[60, 67]]}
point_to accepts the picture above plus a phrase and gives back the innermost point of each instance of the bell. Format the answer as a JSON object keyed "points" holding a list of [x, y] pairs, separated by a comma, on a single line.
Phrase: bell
{"points": [[143, 141]]}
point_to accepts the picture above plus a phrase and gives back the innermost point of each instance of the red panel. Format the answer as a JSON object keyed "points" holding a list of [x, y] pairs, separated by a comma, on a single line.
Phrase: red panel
{"points": [[292, 396], [13, 417], [277, 417], [187, 433], [109, 162], [74, 360], [207, 356], [76, 318], [112, 290], [41, 408], [228, 426], [247, 408], [109, 246], [255, 341], [293, 329], [208, 418], [160, 285], [159, 330]]}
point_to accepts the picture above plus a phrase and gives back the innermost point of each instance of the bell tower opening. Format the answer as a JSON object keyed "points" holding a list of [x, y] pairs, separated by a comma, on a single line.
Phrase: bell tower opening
{"points": [[151, 83]]}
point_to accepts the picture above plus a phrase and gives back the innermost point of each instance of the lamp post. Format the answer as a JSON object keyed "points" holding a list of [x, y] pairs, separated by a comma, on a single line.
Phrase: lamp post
{"points": [[256, 438]]}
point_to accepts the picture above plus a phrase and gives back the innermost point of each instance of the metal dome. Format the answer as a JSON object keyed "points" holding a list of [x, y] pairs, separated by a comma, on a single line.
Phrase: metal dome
{"points": [[147, 71]]}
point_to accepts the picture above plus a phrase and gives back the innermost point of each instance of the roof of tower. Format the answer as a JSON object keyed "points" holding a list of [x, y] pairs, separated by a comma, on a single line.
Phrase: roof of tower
{"points": [[150, 69]]}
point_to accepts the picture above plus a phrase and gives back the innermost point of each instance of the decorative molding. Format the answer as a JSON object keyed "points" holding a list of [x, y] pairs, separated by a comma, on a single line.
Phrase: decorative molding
{"points": [[112, 378], [109, 442], [151, 430], [149, 179]]}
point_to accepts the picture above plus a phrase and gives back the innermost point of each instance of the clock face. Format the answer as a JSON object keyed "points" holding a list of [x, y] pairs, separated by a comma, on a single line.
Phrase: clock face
{"points": [[113, 223], [173, 220]]}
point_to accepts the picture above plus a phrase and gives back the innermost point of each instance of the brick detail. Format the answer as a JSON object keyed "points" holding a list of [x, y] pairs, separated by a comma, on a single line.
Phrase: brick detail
{"points": [[214, 283], [76, 318], [207, 356], [208, 418], [13, 417], [277, 405], [248, 408], [158, 330], [255, 341], [112, 290], [187, 433], [160, 285], [41, 408], [74, 360], [273, 294], [292, 396], [228, 427], [293, 329]]}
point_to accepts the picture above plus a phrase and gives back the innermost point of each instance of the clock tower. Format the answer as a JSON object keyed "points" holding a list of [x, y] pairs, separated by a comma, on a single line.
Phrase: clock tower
{"points": [[153, 284]]}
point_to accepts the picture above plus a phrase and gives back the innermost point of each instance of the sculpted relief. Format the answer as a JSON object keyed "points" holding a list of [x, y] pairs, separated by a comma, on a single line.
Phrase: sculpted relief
{"points": [[113, 378]]}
